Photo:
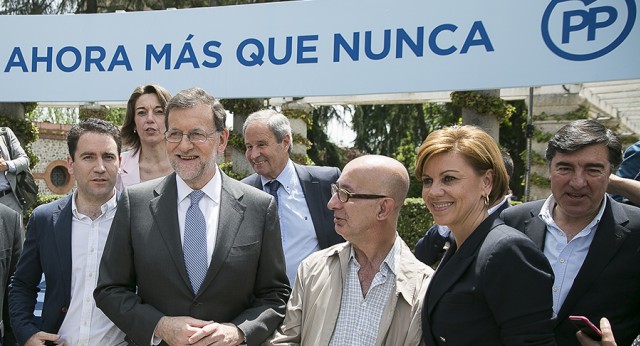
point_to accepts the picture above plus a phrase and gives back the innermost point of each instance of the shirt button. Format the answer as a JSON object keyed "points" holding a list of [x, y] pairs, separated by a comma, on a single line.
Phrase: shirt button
{"points": [[555, 289], [562, 260]]}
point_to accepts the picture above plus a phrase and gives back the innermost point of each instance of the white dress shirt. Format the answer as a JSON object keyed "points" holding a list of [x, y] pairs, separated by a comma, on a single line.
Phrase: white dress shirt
{"points": [[85, 324], [209, 205]]}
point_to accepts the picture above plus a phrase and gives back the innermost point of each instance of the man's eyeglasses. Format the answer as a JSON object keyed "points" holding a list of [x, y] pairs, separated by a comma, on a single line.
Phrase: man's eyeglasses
{"points": [[175, 136], [344, 195]]}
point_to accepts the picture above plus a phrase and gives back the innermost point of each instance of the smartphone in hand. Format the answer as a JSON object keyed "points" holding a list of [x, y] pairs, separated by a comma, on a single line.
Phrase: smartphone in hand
{"points": [[584, 325]]}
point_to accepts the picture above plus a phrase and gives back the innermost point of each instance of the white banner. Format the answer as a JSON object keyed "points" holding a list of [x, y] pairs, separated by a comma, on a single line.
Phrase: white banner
{"points": [[320, 48]]}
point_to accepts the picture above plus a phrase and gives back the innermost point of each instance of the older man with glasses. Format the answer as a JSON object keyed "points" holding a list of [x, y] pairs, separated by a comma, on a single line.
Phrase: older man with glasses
{"points": [[367, 290]]}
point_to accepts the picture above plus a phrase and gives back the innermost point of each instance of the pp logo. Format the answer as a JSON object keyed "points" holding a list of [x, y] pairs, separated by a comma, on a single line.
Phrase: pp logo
{"points": [[582, 30]]}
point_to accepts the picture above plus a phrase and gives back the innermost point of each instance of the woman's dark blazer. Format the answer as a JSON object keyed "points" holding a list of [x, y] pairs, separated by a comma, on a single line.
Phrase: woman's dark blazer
{"points": [[494, 290]]}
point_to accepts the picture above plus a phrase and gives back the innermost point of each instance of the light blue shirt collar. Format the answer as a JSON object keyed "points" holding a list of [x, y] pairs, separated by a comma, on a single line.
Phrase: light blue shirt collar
{"points": [[285, 178], [546, 215]]}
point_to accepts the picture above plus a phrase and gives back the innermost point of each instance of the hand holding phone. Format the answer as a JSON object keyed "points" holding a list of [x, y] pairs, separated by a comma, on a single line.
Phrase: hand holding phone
{"points": [[584, 325]]}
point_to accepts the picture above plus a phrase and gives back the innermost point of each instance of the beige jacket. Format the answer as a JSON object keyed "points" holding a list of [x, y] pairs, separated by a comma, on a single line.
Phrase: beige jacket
{"points": [[312, 310]]}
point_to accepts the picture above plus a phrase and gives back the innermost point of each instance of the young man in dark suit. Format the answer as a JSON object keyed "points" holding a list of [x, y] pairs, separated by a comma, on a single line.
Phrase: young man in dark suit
{"points": [[194, 257], [302, 191], [64, 241], [590, 240]]}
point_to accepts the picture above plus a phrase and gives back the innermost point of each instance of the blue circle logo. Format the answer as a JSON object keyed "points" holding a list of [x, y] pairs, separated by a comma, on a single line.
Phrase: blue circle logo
{"points": [[581, 30]]}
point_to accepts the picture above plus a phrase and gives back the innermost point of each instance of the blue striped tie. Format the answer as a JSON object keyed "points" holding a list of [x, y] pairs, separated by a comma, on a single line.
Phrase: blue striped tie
{"points": [[195, 242]]}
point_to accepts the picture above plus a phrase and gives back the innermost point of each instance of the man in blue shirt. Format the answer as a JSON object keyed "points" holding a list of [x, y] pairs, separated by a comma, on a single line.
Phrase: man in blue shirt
{"points": [[591, 240], [301, 192]]}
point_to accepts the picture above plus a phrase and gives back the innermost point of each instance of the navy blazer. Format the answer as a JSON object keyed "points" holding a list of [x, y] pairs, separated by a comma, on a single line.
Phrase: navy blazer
{"points": [[316, 185], [608, 284], [47, 249], [493, 290]]}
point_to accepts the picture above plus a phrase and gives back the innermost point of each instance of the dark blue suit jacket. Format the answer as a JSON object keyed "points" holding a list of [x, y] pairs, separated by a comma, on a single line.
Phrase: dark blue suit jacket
{"points": [[316, 185], [608, 283], [493, 290], [47, 249]]}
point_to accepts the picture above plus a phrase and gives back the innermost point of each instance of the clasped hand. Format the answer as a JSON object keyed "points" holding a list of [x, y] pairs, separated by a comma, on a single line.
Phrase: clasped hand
{"points": [[183, 330]]}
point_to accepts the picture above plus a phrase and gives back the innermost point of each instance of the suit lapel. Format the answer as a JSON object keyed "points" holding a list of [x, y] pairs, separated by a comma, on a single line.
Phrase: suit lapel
{"points": [[231, 215], [164, 211], [61, 220], [313, 196], [455, 263], [535, 229], [610, 235]]}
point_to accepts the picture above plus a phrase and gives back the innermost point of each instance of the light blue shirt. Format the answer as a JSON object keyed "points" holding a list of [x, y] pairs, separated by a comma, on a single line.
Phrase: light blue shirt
{"points": [[566, 258], [299, 238]]}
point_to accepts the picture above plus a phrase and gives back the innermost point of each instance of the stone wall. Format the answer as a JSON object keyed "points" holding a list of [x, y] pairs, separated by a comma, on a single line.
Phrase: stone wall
{"points": [[51, 171]]}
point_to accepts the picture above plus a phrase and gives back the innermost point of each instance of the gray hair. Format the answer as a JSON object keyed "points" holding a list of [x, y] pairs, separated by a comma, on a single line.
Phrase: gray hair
{"points": [[277, 122]]}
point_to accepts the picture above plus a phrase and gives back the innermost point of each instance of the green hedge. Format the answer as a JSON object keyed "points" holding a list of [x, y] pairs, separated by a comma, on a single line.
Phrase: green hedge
{"points": [[414, 221]]}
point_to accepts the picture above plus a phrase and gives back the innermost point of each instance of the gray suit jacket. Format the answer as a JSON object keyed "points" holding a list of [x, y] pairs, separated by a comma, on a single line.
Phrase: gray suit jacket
{"points": [[143, 276], [608, 283], [13, 152], [11, 238]]}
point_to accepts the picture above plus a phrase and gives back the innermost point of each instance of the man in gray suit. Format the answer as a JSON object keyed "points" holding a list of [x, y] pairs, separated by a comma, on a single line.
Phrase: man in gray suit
{"points": [[302, 192], [153, 284], [11, 238], [13, 160]]}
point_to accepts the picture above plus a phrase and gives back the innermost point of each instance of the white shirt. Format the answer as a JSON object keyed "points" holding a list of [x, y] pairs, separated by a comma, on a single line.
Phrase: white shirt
{"points": [[566, 258], [359, 317], [209, 205], [299, 238], [85, 324]]}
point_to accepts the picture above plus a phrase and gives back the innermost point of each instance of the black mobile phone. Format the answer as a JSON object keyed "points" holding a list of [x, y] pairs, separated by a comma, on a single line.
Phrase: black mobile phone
{"points": [[584, 325], [50, 343]]}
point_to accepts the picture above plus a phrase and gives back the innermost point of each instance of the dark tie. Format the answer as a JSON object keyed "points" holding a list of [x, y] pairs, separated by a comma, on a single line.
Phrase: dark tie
{"points": [[274, 185], [195, 242]]}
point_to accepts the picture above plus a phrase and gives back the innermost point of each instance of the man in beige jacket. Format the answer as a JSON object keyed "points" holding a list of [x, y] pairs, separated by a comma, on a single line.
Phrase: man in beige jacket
{"points": [[369, 290]]}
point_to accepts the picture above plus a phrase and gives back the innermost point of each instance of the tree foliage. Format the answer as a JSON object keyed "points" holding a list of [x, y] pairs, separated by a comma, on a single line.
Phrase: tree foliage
{"points": [[323, 152], [397, 130], [107, 6]]}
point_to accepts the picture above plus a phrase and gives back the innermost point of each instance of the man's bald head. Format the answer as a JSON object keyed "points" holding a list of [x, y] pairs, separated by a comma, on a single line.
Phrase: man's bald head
{"points": [[382, 174]]}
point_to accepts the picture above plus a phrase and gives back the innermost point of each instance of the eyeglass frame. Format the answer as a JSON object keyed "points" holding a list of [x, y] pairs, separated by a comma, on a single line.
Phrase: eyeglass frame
{"points": [[335, 189], [189, 134]]}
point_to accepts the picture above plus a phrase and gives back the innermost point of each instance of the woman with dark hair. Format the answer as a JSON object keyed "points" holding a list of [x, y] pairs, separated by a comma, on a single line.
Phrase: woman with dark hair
{"points": [[493, 286], [143, 133]]}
